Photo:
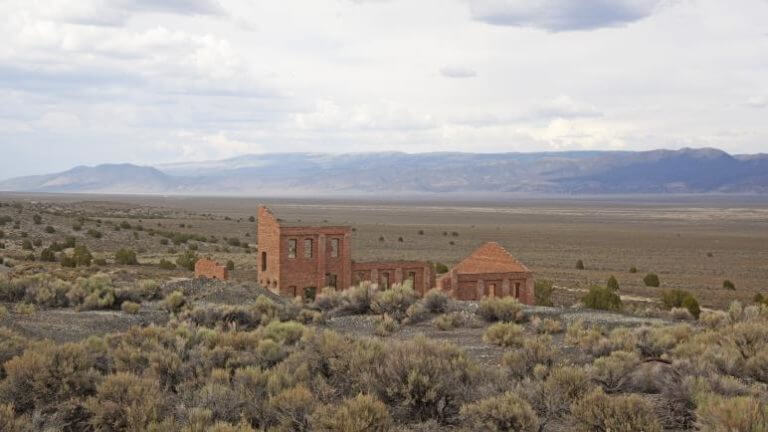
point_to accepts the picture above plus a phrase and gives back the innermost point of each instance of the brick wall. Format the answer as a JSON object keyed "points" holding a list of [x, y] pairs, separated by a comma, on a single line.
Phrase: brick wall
{"points": [[210, 269], [397, 272], [268, 235], [476, 286]]}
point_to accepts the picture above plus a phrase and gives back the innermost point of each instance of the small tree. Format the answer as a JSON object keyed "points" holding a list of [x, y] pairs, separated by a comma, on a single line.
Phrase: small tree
{"points": [[613, 284], [166, 265], [187, 260], [633, 269], [542, 292], [37, 219], [579, 265], [82, 256], [50, 230], [230, 265], [48, 255], [441, 268], [651, 280], [727, 284]]}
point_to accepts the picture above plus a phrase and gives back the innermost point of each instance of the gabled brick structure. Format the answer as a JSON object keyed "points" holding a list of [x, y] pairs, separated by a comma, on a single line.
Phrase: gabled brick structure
{"points": [[206, 268], [490, 271], [301, 260]]}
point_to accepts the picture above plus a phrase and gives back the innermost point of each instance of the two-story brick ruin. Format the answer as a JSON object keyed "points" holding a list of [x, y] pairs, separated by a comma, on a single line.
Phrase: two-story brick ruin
{"points": [[300, 260]]}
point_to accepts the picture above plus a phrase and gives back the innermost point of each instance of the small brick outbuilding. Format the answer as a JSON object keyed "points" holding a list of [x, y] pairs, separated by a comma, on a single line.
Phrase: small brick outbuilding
{"points": [[490, 271], [206, 268]]}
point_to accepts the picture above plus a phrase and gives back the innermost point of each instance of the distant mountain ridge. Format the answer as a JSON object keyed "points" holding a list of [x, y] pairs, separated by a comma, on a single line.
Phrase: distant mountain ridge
{"points": [[577, 172]]}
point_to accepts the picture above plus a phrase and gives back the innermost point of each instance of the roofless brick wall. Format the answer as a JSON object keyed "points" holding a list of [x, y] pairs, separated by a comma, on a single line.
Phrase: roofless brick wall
{"points": [[205, 268]]}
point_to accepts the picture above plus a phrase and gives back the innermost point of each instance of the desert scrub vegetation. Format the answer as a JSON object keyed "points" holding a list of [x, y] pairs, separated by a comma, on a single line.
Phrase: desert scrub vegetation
{"points": [[542, 292], [505, 334], [680, 299], [395, 301], [602, 298], [652, 280], [505, 309]]}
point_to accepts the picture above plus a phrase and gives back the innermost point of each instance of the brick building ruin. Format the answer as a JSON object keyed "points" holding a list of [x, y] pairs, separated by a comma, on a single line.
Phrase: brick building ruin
{"points": [[490, 271], [300, 260], [207, 268]]}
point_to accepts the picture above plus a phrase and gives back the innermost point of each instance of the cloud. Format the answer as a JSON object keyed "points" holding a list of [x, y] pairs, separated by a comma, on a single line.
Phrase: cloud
{"points": [[116, 13], [562, 15], [758, 102], [457, 72]]}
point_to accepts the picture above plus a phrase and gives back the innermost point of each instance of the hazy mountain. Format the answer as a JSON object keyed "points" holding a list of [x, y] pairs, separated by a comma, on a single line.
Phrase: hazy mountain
{"points": [[588, 172]]}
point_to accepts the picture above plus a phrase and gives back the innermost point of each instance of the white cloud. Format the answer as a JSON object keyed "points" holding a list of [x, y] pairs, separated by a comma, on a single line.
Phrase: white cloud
{"points": [[562, 15], [457, 72], [118, 12], [758, 102]]}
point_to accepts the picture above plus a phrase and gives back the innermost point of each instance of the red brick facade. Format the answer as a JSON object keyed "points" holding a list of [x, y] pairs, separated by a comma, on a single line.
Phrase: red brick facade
{"points": [[490, 271], [205, 268], [300, 261]]}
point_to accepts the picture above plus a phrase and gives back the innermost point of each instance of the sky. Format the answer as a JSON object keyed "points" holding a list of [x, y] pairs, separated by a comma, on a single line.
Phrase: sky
{"points": [[84, 82]]}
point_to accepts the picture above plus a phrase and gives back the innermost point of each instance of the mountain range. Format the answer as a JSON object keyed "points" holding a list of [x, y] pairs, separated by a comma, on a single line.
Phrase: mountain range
{"points": [[686, 170]]}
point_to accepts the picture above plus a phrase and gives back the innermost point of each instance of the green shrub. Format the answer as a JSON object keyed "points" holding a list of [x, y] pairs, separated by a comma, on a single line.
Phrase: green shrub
{"points": [[579, 265], [130, 307], [2, 234], [612, 284], [504, 334], [602, 298], [505, 309], [126, 257], [727, 284], [361, 413], [27, 245], [166, 265], [291, 409], [175, 302], [651, 280], [101, 262], [230, 265], [599, 412], [676, 298], [633, 269], [506, 412], [77, 227], [68, 261], [534, 352], [37, 219], [385, 326], [394, 301], [187, 260], [542, 292], [50, 230], [82, 256], [94, 233], [441, 268]]}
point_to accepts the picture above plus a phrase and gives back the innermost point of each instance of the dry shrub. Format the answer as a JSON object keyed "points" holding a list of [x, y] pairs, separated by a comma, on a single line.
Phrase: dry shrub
{"points": [[285, 333], [504, 334], [435, 301], [740, 413], [611, 370], [713, 319], [222, 316], [9, 422], [175, 302], [536, 351], [506, 412], [361, 413], [357, 300], [11, 345], [681, 314], [3, 312], [126, 402], [328, 299], [624, 413], [552, 397], [416, 313], [394, 301], [385, 326], [505, 309], [450, 321], [546, 325], [130, 307], [47, 374], [423, 379], [291, 409]]}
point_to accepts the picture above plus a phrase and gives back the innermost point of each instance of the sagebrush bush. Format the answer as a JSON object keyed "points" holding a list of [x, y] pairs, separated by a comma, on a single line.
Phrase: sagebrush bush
{"points": [[536, 351], [624, 413], [553, 396], [357, 299], [506, 412], [435, 301], [187, 260], [546, 325], [602, 298], [740, 413], [385, 326], [361, 413], [450, 321], [328, 299], [130, 307], [416, 313], [504, 334], [127, 402], [394, 301], [175, 302], [126, 257], [676, 298], [612, 283], [727, 284], [505, 309]]}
